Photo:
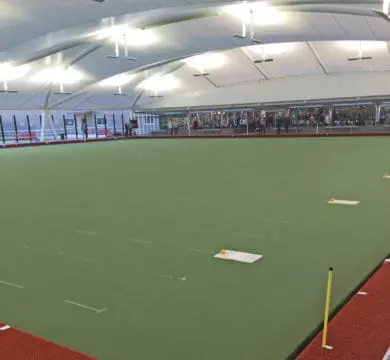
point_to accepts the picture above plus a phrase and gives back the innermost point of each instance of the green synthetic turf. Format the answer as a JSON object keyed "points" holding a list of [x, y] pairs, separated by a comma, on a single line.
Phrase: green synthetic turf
{"points": [[72, 218]]}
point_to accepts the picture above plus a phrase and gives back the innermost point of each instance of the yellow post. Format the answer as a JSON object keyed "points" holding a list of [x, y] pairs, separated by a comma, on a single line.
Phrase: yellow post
{"points": [[327, 309]]}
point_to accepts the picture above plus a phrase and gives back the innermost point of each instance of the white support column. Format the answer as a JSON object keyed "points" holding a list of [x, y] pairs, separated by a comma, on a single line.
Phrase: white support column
{"points": [[45, 116], [330, 115], [53, 128], [189, 123], [377, 113]]}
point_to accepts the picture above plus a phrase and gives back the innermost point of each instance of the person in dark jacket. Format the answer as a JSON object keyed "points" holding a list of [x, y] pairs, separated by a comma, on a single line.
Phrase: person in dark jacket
{"points": [[279, 123], [287, 122], [84, 128]]}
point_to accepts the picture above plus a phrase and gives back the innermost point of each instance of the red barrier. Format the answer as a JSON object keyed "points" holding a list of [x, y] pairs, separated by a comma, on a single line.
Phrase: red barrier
{"points": [[17, 345], [26, 136], [231, 136], [361, 329]]}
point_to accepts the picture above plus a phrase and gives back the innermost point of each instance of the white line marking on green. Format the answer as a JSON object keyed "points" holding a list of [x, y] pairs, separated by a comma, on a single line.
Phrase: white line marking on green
{"points": [[97, 311], [171, 277], [24, 246], [140, 241], [201, 251], [86, 232], [11, 284]]}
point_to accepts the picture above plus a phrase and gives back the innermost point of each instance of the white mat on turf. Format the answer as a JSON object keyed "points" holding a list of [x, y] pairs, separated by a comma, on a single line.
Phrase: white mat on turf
{"points": [[238, 256], [386, 177], [343, 202]]}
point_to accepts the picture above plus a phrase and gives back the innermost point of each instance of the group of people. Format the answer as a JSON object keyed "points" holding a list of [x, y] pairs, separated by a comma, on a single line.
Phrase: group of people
{"points": [[282, 121]]}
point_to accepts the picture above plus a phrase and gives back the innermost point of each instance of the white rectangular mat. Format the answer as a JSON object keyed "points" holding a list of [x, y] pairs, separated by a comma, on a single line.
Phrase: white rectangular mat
{"points": [[343, 202], [238, 256], [387, 177]]}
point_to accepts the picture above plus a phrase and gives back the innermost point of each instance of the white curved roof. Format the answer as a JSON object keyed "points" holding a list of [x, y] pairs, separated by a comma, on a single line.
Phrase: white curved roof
{"points": [[61, 47]]}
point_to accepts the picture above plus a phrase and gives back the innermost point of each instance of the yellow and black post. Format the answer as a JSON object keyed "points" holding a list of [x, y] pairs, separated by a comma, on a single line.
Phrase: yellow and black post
{"points": [[327, 309]]}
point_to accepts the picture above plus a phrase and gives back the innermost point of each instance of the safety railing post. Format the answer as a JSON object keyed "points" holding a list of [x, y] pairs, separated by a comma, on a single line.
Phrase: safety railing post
{"points": [[29, 127], [16, 129], [2, 130]]}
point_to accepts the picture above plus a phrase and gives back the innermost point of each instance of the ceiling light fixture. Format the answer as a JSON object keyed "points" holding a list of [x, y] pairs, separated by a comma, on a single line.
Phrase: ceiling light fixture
{"points": [[259, 13], [9, 72], [62, 92], [364, 45], [206, 61], [57, 75], [119, 92], [361, 46], [252, 35], [158, 83], [135, 37], [117, 80], [13, 72]]}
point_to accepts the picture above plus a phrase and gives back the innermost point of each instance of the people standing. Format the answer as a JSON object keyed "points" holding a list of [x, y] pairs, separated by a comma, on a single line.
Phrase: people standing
{"points": [[263, 123], [170, 127], [287, 122], [279, 122], [84, 129]]}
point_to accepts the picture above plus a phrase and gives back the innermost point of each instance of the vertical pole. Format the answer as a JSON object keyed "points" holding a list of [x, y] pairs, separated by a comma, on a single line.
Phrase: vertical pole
{"points": [[113, 120], [52, 125], [189, 124], [2, 130], [43, 125], [377, 114], [96, 128], [105, 125], [85, 128], [16, 130], [29, 128], [330, 115], [75, 127], [65, 130], [123, 124], [327, 309]]}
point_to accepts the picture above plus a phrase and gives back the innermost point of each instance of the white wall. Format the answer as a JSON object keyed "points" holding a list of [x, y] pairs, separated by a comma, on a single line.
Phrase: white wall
{"points": [[293, 89]]}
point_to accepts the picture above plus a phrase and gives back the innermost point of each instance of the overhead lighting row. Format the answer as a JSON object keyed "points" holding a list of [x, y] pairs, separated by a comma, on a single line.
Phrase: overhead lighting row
{"points": [[201, 63], [260, 13]]}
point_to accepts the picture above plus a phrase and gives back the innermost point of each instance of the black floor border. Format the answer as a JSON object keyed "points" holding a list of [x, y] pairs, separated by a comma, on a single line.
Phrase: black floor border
{"points": [[299, 349]]}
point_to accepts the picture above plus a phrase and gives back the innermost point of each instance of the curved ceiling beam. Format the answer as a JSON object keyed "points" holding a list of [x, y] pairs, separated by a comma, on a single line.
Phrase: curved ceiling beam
{"points": [[71, 63], [177, 15], [49, 51], [134, 71]]}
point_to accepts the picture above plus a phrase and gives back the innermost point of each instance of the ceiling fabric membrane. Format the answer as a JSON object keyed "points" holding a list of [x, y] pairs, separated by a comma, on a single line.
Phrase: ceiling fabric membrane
{"points": [[171, 54]]}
